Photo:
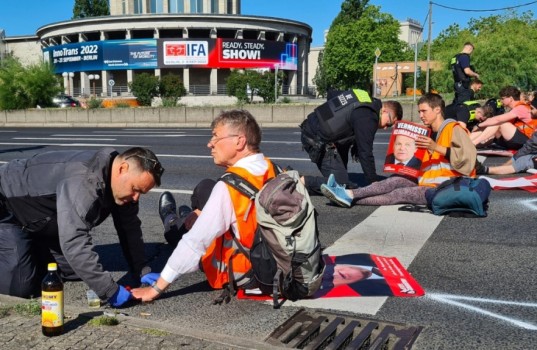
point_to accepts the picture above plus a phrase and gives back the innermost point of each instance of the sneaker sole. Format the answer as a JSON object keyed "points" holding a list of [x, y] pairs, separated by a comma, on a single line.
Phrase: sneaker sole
{"points": [[328, 194]]}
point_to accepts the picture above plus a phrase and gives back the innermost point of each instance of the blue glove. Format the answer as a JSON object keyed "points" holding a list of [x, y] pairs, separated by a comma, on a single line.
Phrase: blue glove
{"points": [[150, 278], [120, 297]]}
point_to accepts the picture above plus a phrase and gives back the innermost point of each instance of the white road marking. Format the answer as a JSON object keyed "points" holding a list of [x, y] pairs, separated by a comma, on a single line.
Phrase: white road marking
{"points": [[160, 190], [452, 300], [67, 144], [61, 138], [386, 232]]}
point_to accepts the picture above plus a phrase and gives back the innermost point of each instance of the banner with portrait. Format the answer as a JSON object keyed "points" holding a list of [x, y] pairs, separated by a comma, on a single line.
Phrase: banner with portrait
{"points": [[403, 157]]}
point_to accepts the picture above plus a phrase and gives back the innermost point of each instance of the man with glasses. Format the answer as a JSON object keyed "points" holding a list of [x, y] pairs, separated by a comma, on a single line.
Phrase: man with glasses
{"points": [[50, 202], [221, 214], [509, 130], [349, 119]]}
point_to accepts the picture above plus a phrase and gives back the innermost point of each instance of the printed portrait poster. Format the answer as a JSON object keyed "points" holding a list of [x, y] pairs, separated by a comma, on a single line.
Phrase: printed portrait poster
{"points": [[359, 275], [403, 157]]}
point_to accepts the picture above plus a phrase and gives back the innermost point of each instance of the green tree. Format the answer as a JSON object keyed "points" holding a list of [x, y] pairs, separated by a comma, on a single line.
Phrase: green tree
{"points": [[245, 84], [349, 52], [320, 78], [505, 47], [351, 10], [171, 88], [26, 87], [90, 8], [144, 87]]}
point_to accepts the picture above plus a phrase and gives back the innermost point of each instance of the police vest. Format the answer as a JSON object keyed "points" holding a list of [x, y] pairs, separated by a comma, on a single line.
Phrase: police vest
{"points": [[223, 251], [334, 115], [456, 69], [436, 167], [471, 105]]}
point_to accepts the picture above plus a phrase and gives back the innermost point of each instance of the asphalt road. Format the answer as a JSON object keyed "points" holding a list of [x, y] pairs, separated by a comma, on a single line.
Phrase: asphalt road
{"points": [[478, 274]]}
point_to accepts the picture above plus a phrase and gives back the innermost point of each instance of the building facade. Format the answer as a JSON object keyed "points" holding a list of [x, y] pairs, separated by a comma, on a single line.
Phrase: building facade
{"points": [[200, 41]]}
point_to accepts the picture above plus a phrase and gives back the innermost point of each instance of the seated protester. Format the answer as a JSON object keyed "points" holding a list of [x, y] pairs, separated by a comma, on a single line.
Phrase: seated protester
{"points": [[450, 153], [509, 130], [209, 243], [525, 158]]}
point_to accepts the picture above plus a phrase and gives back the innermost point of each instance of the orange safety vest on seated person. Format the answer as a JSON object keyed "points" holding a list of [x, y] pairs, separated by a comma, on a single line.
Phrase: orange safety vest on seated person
{"points": [[435, 167], [223, 251], [527, 128]]}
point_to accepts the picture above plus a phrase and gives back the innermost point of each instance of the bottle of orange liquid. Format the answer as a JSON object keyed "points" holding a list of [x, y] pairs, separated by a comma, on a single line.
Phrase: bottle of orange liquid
{"points": [[52, 302]]}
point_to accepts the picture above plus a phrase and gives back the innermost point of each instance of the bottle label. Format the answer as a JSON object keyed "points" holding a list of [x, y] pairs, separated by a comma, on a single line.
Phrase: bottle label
{"points": [[52, 309]]}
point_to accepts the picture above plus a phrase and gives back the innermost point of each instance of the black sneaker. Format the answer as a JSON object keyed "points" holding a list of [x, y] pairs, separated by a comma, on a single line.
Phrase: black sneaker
{"points": [[480, 169], [166, 205]]}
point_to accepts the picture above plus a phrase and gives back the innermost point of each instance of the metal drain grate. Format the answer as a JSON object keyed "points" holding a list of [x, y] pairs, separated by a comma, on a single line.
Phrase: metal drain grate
{"points": [[317, 330]]}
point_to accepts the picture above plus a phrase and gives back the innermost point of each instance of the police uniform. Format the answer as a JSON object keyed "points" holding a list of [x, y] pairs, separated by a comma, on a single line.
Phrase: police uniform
{"points": [[348, 119], [462, 81]]}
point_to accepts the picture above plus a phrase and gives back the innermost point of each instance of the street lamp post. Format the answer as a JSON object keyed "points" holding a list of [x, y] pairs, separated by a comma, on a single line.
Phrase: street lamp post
{"points": [[276, 66], [377, 55], [94, 77], [68, 76]]}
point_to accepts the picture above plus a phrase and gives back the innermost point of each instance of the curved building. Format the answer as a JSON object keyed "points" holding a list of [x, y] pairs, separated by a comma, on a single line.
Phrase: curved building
{"points": [[201, 41]]}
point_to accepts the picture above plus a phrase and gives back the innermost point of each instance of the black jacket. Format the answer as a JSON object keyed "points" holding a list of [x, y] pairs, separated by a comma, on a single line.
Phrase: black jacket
{"points": [[65, 194]]}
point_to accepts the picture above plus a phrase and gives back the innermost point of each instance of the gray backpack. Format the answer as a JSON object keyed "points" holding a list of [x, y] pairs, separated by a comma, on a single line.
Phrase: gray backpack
{"points": [[286, 252]]}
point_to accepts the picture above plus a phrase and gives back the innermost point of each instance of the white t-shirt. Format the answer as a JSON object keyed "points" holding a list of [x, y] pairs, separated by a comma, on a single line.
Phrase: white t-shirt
{"points": [[216, 218]]}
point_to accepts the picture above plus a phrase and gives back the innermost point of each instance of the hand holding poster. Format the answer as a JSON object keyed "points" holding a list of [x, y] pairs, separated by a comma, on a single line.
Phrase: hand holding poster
{"points": [[403, 157]]}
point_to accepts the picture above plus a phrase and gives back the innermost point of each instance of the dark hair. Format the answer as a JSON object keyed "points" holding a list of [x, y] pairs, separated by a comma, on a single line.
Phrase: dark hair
{"points": [[510, 91], [433, 100], [243, 122], [395, 107], [147, 160], [476, 81], [469, 44]]}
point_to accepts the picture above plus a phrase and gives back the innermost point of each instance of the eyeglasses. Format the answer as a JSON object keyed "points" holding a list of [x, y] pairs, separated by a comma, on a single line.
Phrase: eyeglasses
{"points": [[214, 140], [151, 165]]}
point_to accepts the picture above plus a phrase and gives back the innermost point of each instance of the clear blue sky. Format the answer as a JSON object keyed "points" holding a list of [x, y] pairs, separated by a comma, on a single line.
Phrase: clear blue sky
{"points": [[26, 16]]}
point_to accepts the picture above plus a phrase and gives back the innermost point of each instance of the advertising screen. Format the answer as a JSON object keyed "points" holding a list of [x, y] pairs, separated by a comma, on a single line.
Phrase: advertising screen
{"points": [[103, 55]]}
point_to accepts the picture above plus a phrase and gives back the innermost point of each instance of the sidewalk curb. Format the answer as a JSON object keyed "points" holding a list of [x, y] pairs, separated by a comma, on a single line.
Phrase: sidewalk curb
{"points": [[140, 323]]}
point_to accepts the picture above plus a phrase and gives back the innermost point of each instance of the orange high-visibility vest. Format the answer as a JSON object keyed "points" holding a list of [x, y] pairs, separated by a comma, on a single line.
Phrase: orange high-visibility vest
{"points": [[223, 251], [436, 168], [525, 128]]}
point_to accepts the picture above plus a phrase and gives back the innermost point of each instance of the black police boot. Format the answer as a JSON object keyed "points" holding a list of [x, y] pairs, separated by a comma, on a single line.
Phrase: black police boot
{"points": [[167, 208]]}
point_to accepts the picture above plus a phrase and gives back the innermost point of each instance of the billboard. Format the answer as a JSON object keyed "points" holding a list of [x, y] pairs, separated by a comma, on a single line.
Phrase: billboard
{"points": [[171, 53], [226, 53], [103, 55]]}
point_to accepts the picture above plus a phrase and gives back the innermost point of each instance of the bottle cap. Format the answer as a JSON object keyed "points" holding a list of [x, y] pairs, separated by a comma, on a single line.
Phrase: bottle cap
{"points": [[52, 266]]}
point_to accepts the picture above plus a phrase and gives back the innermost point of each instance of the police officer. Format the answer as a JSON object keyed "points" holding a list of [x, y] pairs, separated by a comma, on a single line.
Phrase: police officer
{"points": [[348, 119], [462, 74], [51, 201]]}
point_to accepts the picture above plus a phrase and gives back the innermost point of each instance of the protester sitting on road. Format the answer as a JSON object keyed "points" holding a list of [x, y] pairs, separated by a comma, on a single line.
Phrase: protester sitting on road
{"points": [[509, 130], [328, 133], [525, 158], [226, 214], [51, 201], [449, 153]]}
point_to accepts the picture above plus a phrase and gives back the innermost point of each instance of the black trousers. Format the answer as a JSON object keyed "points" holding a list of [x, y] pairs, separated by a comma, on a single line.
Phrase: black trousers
{"points": [[24, 257], [462, 93], [199, 197], [334, 161]]}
